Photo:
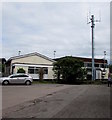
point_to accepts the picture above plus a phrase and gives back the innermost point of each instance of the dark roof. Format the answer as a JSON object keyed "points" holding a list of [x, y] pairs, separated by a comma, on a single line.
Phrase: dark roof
{"points": [[30, 54], [86, 59]]}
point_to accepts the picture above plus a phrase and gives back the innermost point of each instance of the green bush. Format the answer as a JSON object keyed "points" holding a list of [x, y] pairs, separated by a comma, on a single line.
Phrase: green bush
{"points": [[20, 70], [69, 70]]}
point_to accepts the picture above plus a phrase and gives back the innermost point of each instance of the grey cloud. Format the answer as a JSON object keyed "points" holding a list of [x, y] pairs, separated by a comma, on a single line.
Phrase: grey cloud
{"points": [[45, 27]]}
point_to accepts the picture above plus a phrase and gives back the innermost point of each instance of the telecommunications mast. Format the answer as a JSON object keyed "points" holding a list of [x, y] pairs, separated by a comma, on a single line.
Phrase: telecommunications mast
{"points": [[92, 21]]}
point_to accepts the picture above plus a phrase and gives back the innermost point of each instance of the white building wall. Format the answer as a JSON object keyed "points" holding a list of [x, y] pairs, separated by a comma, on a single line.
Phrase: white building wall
{"points": [[107, 72], [35, 76], [98, 74], [50, 73]]}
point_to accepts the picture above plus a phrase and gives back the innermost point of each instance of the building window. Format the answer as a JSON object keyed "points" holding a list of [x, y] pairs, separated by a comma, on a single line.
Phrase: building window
{"points": [[85, 64], [31, 70], [96, 65], [89, 65], [45, 70], [102, 65], [35, 70]]}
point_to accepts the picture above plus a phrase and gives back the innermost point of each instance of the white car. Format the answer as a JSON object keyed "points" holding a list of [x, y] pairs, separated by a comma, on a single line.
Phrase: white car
{"points": [[17, 79]]}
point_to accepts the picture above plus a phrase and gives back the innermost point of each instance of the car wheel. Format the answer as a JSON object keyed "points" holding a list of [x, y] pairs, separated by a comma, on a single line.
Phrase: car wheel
{"points": [[6, 82], [28, 82]]}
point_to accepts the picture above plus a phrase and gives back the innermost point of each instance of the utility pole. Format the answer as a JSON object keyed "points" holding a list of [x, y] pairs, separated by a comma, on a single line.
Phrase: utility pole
{"points": [[92, 28], [92, 21]]}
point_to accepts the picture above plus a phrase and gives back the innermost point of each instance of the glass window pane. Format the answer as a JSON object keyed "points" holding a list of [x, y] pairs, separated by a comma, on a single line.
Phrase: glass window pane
{"points": [[45, 70], [22, 76], [31, 70], [36, 71]]}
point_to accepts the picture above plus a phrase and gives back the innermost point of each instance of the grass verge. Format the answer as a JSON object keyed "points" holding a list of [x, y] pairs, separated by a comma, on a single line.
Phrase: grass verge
{"points": [[44, 82], [85, 82]]}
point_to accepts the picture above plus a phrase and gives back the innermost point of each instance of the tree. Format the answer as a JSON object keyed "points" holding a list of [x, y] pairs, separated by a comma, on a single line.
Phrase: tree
{"points": [[20, 70], [69, 70], [2, 69], [110, 68], [41, 74]]}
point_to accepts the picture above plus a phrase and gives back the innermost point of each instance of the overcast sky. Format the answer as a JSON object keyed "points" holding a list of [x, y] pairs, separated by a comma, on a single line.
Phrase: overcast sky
{"points": [[61, 26]]}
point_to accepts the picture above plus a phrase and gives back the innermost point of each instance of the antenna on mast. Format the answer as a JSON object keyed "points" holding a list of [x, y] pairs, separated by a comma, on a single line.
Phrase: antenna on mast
{"points": [[100, 15], [88, 17], [99, 20]]}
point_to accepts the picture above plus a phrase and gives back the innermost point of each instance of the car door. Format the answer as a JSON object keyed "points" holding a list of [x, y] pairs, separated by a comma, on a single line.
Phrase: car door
{"points": [[14, 79], [21, 79]]}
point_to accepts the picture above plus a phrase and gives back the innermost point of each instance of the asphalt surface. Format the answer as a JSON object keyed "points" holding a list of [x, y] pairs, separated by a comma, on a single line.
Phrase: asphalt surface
{"points": [[78, 101], [16, 94]]}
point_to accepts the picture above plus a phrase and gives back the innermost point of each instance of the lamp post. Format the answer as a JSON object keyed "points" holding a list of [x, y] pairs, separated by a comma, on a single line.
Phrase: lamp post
{"points": [[19, 52], [104, 59], [54, 53]]}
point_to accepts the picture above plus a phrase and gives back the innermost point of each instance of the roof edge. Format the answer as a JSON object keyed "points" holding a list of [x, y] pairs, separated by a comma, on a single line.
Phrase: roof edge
{"points": [[30, 54]]}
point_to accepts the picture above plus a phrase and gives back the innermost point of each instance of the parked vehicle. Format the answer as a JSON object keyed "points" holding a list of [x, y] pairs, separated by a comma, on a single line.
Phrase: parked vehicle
{"points": [[17, 79]]}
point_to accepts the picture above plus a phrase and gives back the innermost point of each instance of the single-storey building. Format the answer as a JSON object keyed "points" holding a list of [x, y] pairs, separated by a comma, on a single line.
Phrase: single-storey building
{"points": [[31, 63]]}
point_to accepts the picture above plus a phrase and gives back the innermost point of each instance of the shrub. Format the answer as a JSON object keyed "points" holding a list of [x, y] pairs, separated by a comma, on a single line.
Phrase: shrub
{"points": [[20, 70]]}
